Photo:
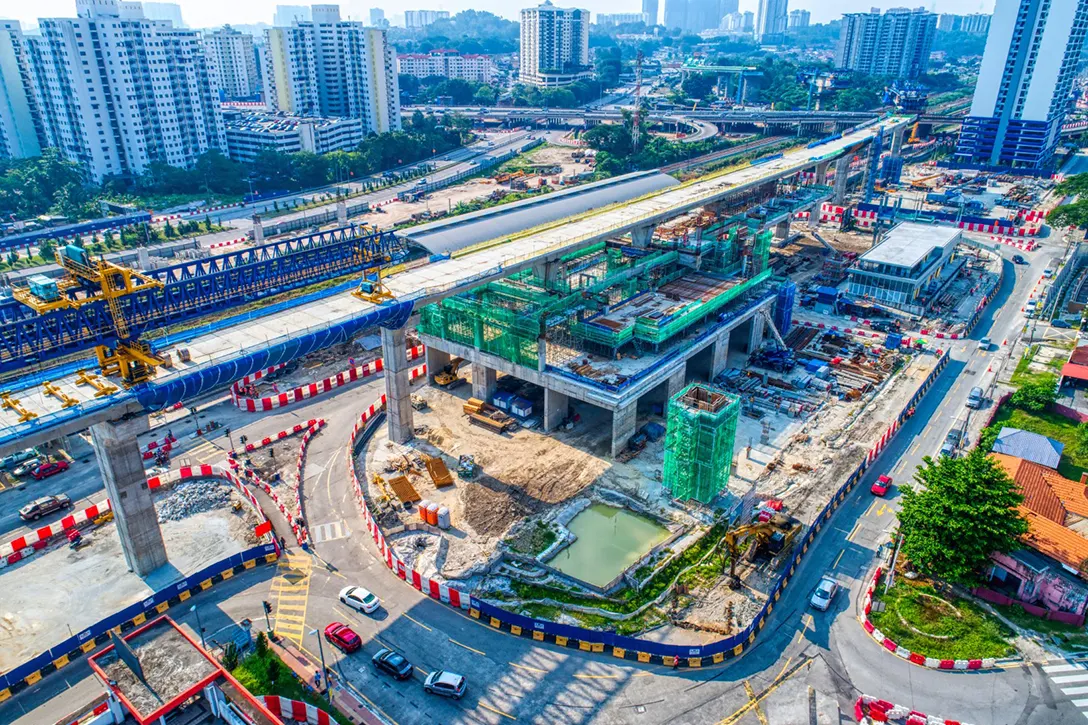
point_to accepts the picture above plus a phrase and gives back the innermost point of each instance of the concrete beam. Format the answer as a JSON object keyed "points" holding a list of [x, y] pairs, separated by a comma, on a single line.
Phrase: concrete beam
{"points": [[624, 421], [675, 383], [398, 389], [719, 355], [122, 466], [484, 382], [555, 409]]}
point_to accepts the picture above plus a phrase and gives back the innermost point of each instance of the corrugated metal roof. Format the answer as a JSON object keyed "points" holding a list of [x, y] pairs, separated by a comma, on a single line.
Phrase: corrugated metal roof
{"points": [[1029, 446], [449, 235]]}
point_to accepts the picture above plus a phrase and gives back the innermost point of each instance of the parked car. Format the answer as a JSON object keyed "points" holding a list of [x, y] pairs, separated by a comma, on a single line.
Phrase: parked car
{"points": [[18, 457], [974, 398], [1018, 259], [24, 468], [386, 660], [1060, 323], [44, 506], [881, 485], [359, 599], [49, 468], [948, 450], [446, 684], [984, 344], [824, 593], [342, 637]]}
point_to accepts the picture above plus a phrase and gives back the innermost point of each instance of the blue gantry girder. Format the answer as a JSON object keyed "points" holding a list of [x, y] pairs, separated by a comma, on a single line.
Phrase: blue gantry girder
{"points": [[194, 289]]}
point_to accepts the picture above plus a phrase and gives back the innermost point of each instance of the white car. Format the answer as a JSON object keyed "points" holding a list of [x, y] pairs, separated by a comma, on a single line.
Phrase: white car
{"points": [[359, 599], [825, 592]]}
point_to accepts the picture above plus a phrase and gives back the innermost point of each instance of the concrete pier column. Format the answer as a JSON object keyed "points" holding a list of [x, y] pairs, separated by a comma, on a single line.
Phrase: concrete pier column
{"points": [[555, 409], [258, 230], [676, 383], [484, 380], [398, 389], [782, 229], [641, 236], [341, 212], [436, 360], [897, 140], [63, 442], [719, 355], [122, 467], [842, 175], [623, 426], [821, 172], [546, 271], [755, 335]]}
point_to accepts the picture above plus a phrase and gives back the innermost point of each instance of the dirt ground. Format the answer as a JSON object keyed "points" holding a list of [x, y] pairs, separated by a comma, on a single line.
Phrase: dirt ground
{"points": [[62, 591], [444, 199], [562, 155]]}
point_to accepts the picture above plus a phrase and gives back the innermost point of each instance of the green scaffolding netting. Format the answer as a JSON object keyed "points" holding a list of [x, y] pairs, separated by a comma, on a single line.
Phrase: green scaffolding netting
{"points": [[700, 434]]}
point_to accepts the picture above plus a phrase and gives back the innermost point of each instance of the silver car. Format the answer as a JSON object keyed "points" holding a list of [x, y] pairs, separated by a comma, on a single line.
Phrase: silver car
{"points": [[824, 593]]}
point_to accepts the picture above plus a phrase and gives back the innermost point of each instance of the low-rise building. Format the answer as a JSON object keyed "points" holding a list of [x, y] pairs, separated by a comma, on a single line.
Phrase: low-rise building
{"points": [[249, 133], [908, 268], [448, 64]]}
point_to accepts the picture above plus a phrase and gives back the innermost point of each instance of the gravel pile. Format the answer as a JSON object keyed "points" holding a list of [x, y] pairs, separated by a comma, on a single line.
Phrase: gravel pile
{"points": [[193, 497]]}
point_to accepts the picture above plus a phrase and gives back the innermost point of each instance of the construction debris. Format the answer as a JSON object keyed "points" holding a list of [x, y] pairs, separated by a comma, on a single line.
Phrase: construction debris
{"points": [[193, 497]]}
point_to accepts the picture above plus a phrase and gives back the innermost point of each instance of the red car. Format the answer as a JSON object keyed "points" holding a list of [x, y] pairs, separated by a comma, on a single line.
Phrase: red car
{"points": [[343, 637], [881, 486], [49, 468]]}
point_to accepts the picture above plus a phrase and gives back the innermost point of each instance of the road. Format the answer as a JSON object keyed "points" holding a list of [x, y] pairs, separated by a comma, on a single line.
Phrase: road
{"points": [[512, 678]]}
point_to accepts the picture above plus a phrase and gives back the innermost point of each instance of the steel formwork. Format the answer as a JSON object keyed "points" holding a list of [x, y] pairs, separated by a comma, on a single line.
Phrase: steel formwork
{"points": [[700, 434]]}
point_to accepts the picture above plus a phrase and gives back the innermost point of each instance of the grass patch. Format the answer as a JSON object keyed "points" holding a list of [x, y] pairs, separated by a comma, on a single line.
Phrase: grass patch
{"points": [[266, 674], [1070, 636], [1051, 425], [957, 629], [1023, 373]]}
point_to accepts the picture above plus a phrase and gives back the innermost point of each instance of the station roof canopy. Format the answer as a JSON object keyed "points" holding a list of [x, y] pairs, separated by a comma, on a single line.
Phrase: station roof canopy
{"points": [[909, 243], [464, 230]]}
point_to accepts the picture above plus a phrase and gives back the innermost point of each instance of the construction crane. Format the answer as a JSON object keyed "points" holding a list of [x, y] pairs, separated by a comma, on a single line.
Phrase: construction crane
{"points": [[447, 376], [88, 281], [636, 126], [776, 535]]}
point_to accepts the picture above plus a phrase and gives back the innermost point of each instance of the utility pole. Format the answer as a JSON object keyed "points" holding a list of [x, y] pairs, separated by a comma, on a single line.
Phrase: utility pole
{"points": [[636, 125]]}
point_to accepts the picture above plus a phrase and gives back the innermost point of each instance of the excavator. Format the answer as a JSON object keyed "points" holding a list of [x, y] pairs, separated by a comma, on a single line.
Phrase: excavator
{"points": [[447, 377], [775, 535]]}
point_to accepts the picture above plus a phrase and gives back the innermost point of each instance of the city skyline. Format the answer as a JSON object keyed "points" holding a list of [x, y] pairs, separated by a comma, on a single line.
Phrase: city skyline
{"points": [[210, 13]]}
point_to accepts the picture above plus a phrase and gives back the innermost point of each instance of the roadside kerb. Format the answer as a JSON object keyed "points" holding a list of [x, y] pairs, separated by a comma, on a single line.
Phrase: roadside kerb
{"points": [[868, 709]]}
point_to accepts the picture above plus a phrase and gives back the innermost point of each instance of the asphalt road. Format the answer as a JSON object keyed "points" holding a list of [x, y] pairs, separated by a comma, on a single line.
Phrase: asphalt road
{"points": [[517, 679]]}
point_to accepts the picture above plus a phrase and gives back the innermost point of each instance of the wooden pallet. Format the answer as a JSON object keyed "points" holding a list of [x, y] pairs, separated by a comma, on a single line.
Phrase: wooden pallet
{"points": [[438, 471], [404, 489]]}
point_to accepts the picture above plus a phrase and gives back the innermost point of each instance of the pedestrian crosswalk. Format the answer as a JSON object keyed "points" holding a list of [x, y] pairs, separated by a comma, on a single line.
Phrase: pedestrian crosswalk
{"points": [[329, 532], [291, 590], [204, 452], [1071, 678]]}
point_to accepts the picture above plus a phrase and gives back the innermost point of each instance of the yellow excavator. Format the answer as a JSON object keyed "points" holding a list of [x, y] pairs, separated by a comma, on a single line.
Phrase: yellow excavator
{"points": [[775, 536], [447, 376]]}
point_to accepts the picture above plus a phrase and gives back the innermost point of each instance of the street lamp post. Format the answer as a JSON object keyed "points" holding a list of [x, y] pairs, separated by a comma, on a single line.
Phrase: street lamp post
{"points": [[199, 626], [321, 653]]}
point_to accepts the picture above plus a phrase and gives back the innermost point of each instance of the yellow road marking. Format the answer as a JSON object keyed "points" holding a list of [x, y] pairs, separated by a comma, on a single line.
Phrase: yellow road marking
{"points": [[914, 448], [291, 590], [805, 625], [850, 536], [870, 509], [342, 612], [370, 702], [423, 671], [883, 510], [736, 716], [841, 552], [754, 702], [421, 624], [470, 649], [529, 669], [508, 716], [784, 667]]}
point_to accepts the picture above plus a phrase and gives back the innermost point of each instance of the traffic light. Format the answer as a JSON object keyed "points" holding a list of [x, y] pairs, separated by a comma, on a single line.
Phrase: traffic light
{"points": [[267, 607]]}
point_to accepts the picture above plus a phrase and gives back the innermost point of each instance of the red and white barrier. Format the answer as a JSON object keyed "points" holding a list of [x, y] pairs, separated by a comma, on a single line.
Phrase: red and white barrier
{"points": [[21, 547], [164, 218], [228, 243], [297, 711], [1028, 245], [305, 392], [804, 215], [869, 710], [269, 440], [436, 590], [904, 653]]}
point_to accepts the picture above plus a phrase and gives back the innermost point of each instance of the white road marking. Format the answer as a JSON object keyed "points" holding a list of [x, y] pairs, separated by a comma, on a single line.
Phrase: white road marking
{"points": [[1054, 669], [1075, 690], [329, 532], [1066, 679]]}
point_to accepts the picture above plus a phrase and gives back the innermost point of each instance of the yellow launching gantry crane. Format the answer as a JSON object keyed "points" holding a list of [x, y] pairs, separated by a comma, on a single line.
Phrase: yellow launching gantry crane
{"points": [[87, 281]]}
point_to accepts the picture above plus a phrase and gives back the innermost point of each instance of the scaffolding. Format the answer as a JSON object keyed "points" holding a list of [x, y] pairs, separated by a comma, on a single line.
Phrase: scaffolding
{"points": [[700, 434]]}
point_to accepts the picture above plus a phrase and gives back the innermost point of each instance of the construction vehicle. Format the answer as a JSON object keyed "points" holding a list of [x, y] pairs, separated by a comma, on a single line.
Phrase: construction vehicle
{"points": [[635, 445], [774, 535], [447, 376], [488, 416], [418, 402]]}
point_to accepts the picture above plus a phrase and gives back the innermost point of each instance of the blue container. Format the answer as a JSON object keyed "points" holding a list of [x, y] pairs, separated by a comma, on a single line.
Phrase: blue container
{"points": [[521, 407], [893, 341], [43, 287], [654, 431], [503, 399], [813, 366]]}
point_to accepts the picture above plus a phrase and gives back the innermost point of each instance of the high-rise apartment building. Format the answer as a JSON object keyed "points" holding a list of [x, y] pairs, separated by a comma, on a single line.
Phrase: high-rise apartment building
{"points": [[895, 44], [333, 67], [287, 14], [554, 46], [18, 112], [695, 16], [975, 24], [606, 20], [772, 20], [234, 61], [1024, 84], [116, 91], [165, 11], [423, 18], [377, 18], [649, 9], [448, 64], [799, 19]]}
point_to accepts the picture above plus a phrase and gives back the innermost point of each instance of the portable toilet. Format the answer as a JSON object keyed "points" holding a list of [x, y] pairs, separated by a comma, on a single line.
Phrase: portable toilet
{"points": [[444, 517], [432, 513], [423, 510]]}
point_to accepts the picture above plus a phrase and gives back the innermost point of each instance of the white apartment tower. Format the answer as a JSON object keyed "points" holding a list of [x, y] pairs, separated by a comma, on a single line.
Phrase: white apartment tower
{"points": [[772, 19], [18, 132], [1025, 83], [895, 44], [117, 92], [333, 67], [234, 61], [554, 46], [799, 19]]}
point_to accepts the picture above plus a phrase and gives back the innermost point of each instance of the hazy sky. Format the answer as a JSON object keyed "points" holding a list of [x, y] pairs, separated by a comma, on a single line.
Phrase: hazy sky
{"points": [[209, 13]]}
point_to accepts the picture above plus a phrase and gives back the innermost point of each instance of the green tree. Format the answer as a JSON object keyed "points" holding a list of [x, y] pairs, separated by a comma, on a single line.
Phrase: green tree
{"points": [[1037, 394], [1070, 215], [698, 85], [168, 229], [48, 250], [966, 511]]}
